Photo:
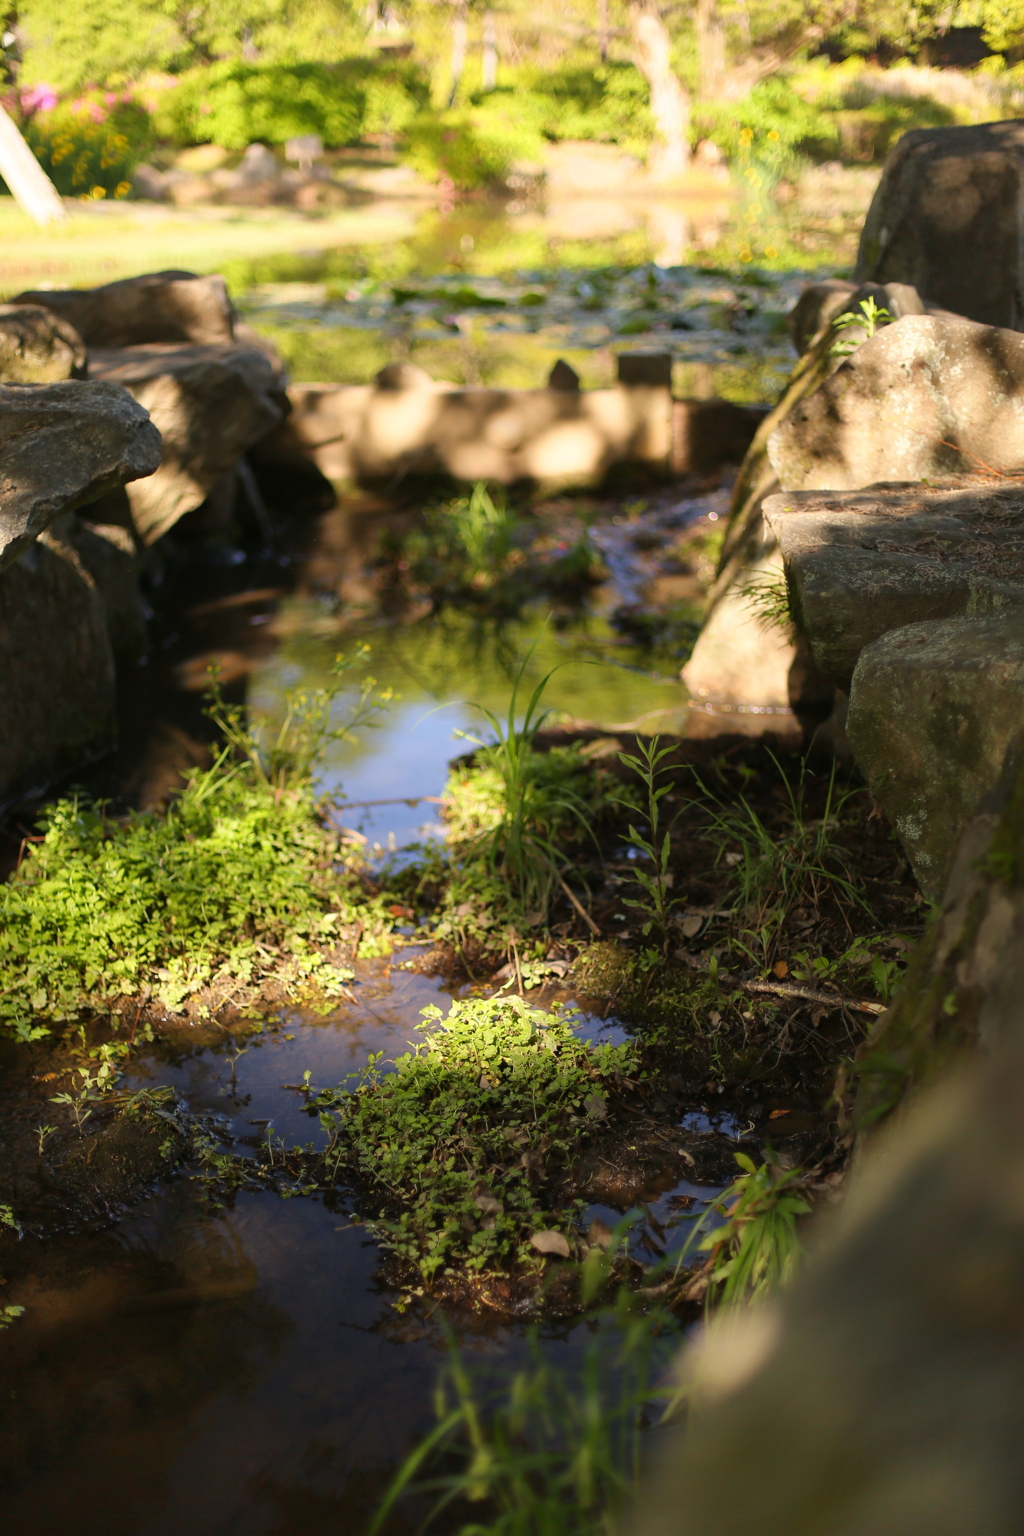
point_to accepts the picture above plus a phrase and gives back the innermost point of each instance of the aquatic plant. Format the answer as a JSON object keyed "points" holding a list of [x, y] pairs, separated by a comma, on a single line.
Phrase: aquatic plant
{"points": [[757, 1248], [778, 869], [463, 1142], [236, 879], [557, 1450]]}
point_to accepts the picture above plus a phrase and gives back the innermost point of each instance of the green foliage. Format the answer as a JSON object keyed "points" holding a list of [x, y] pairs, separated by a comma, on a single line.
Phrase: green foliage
{"points": [[530, 806], [476, 147], [163, 903], [559, 1450], [464, 542], [778, 868], [609, 103], [90, 146], [772, 131], [870, 319], [460, 1139], [767, 593], [234, 104], [756, 1250], [655, 904]]}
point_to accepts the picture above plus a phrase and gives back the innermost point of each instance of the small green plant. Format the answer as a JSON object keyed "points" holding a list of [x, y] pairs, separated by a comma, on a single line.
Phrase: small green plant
{"points": [[9, 1314], [559, 1450], [654, 904], [776, 870], [756, 1249], [236, 880], [767, 593], [870, 319], [530, 804], [461, 1140]]}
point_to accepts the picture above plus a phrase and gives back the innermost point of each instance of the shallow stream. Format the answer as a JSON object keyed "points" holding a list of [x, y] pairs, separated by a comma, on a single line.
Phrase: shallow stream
{"points": [[246, 1370]]}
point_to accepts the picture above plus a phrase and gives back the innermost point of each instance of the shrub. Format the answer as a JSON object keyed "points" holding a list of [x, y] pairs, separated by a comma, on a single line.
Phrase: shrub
{"points": [[772, 129], [477, 146], [94, 142], [610, 104], [233, 104]]}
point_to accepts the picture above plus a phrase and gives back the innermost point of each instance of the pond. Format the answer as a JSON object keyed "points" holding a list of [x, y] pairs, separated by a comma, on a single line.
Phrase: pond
{"points": [[181, 1368]]}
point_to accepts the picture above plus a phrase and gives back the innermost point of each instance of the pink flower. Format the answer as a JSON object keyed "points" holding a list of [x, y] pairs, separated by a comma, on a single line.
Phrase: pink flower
{"points": [[40, 98]]}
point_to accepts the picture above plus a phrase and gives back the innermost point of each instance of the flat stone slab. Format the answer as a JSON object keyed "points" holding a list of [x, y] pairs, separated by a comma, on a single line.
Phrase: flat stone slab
{"points": [[933, 708], [63, 446], [861, 563], [156, 307], [210, 404]]}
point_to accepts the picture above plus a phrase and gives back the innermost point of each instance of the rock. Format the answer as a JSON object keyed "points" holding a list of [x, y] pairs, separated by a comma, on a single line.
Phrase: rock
{"points": [[63, 445], [820, 303], [860, 563], [56, 669], [948, 216], [210, 403], [926, 398], [108, 553], [933, 708], [38, 347], [880, 1394], [157, 307], [707, 434], [563, 376]]}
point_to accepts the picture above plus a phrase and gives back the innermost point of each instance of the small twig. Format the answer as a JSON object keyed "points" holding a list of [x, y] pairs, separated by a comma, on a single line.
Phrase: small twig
{"points": [[359, 805], [809, 994], [360, 929], [999, 473], [595, 930]]}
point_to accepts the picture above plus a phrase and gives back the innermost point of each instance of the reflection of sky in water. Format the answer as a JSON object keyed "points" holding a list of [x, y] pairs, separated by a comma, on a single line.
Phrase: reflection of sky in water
{"points": [[438, 671]]}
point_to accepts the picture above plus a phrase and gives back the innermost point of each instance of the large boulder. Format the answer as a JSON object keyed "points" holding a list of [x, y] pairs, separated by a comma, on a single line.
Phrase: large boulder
{"points": [[210, 404], [948, 217], [38, 347], [62, 446], [56, 669], [933, 708], [157, 307], [925, 398], [860, 563]]}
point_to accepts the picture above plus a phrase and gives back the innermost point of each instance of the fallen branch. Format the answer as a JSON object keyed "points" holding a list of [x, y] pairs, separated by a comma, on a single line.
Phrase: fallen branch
{"points": [[595, 930], [810, 995]]}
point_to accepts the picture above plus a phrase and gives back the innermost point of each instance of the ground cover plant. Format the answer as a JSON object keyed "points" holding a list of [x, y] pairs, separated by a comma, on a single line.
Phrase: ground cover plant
{"points": [[237, 879], [464, 1141]]}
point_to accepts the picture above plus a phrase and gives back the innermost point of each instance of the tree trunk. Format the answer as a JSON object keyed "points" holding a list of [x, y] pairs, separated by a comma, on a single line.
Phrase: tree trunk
{"points": [[458, 52], [489, 61], [710, 35], [670, 105], [31, 188]]}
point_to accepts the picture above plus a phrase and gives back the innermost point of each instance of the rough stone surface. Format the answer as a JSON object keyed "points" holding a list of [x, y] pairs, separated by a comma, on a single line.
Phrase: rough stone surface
{"points": [[823, 302], [861, 563], [38, 347], [61, 446], [926, 398], [157, 307], [56, 669], [209, 403], [109, 555], [881, 1396], [933, 708], [948, 217]]}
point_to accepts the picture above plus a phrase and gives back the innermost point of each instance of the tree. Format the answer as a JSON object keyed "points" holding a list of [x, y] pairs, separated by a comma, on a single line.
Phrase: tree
{"points": [[670, 102]]}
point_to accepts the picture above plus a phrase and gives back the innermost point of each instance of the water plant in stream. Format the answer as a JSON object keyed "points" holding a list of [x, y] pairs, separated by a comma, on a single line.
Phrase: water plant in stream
{"points": [[461, 1147], [757, 1247], [237, 879]]}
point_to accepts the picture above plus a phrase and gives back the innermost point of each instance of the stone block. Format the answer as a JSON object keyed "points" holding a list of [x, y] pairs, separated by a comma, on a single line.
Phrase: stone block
{"points": [[933, 708], [156, 307], [62, 446], [928, 397], [38, 347], [652, 370], [56, 669], [210, 404], [823, 302], [948, 218], [861, 563]]}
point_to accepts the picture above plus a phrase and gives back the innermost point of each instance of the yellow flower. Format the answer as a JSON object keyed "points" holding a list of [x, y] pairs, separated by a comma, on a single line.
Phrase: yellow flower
{"points": [[773, 133], [746, 135], [98, 192], [770, 252], [122, 189]]}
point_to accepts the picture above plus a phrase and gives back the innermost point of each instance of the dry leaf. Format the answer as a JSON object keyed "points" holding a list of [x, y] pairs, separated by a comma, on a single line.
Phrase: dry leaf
{"points": [[780, 969], [552, 1243], [596, 1107], [691, 926], [775, 1114], [598, 1234], [487, 1205]]}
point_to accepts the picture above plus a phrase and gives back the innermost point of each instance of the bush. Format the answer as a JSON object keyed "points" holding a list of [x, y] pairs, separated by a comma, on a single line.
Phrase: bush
{"points": [[91, 145], [234, 104], [477, 146], [772, 129], [610, 104]]}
